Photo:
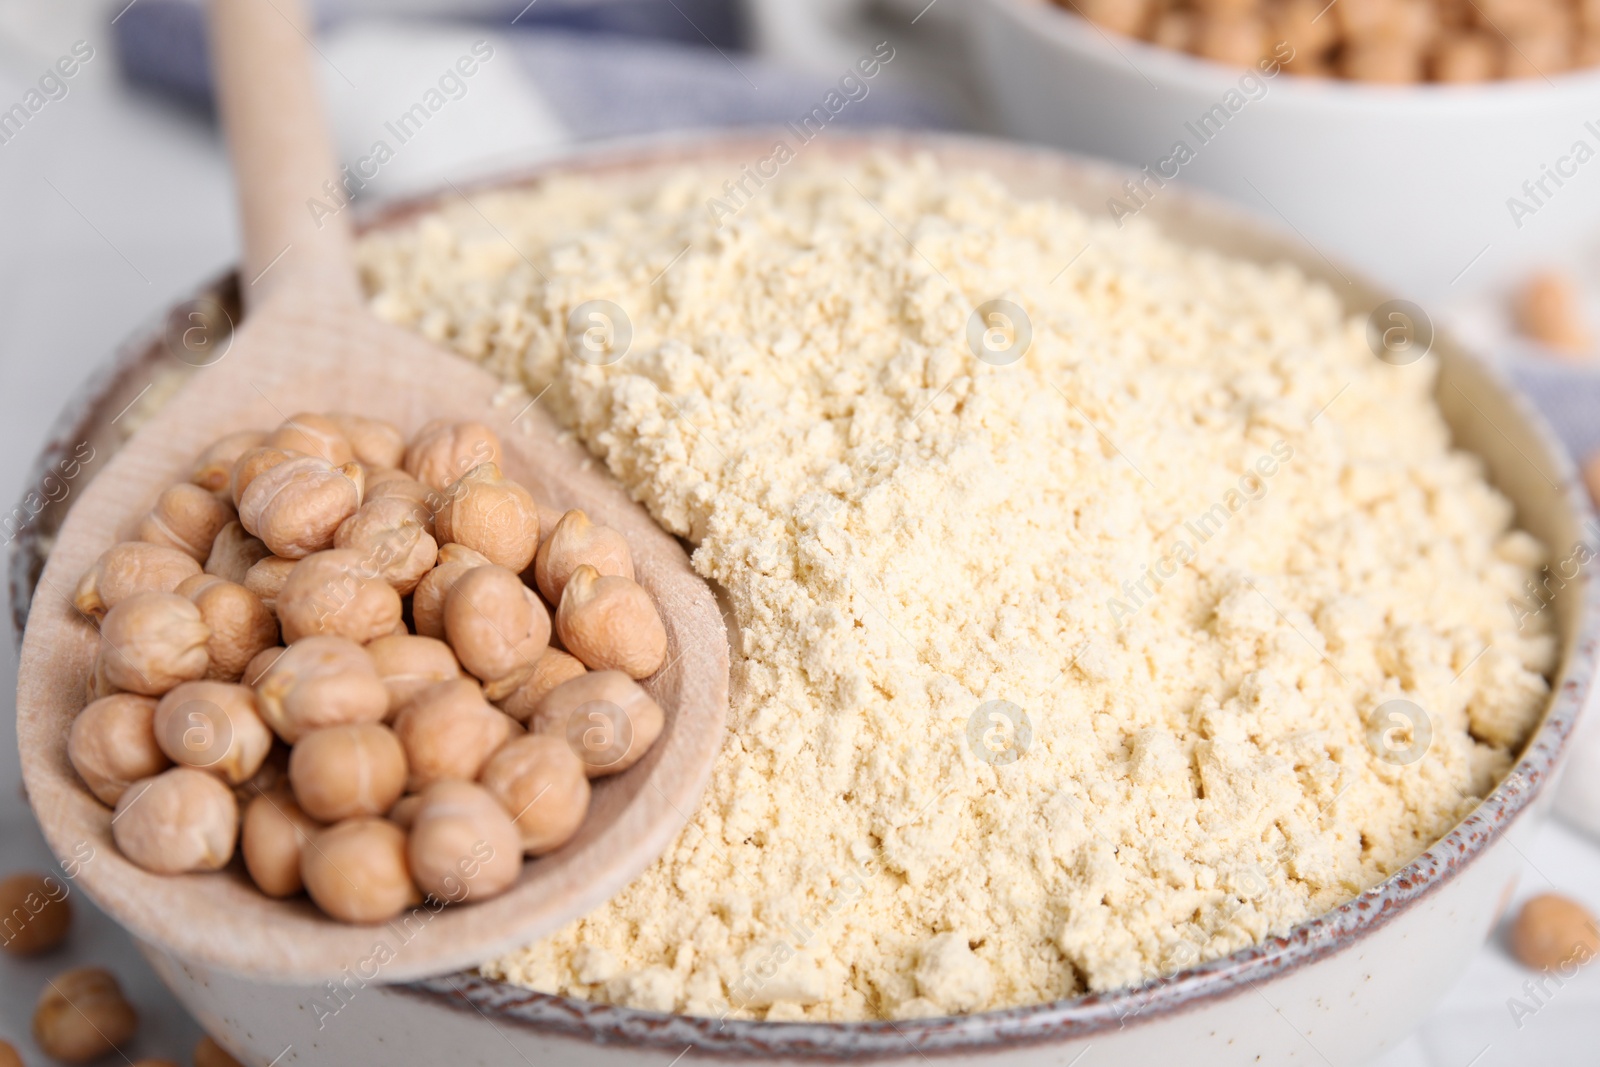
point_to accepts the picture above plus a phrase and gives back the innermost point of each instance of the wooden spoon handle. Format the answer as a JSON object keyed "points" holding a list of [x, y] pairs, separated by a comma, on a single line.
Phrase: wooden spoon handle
{"points": [[282, 154]]}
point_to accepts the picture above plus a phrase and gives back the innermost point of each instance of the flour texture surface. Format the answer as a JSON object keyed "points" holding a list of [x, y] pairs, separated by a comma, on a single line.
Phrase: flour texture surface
{"points": [[1052, 674]]}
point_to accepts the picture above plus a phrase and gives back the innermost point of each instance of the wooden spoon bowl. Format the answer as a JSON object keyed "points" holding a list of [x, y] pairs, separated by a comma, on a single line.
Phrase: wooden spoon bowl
{"points": [[308, 345]]}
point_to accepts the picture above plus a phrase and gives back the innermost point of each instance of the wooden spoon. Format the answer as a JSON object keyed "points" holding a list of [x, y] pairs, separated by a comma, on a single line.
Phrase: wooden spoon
{"points": [[309, 345]]}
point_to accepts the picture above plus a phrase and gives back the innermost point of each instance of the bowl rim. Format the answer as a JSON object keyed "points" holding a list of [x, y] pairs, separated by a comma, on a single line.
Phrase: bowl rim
{"points": [[1074, 33], [1067, 1019]]}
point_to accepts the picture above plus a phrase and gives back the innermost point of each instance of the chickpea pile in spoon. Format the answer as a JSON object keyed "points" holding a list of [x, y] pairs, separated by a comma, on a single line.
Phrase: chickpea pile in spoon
{"points": [[376, 668]]}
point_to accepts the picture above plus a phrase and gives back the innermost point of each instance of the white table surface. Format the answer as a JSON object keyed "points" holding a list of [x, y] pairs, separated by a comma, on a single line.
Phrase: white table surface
{"points": [[112, 205]]}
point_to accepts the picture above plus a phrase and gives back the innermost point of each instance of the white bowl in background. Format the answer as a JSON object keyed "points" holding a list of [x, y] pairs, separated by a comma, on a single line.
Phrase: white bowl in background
{"points": [[1337, 989], [1408, 183]]}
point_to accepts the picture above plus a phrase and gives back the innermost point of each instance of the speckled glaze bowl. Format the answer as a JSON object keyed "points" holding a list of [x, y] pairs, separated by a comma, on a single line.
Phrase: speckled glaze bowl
{"points": [[1337, 990]]}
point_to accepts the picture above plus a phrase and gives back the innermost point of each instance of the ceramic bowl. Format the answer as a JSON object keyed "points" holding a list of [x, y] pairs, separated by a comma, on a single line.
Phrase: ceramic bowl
{"points": [[1337, 990], [1410, 183]]}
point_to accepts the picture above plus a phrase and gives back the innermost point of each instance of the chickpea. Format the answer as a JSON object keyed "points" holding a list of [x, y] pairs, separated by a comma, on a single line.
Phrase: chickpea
{"points": [[541, 784], [251, 465], [606, 717], [1119, 16], [356, 871], [113, 744], [409, 664], [427, 601], [82, 1015], [320, 682], [463, 844], [241, 625], [1237, 40], [392, 540], [335, 592], [37, 913], [1538, 52], [1386, 59], [610, 623], [180, 820], [213, 470], [234, 552], [9, 1057], [549, 670], [404, 812], [207, 1053], [376, 443], [388, 484], [345, 771], [271, 777], [574, 542], [266, 579], [1549, 309], [152, 641], [442, 451], [497, 626], [1466, 56], [448, 731], [1554, 931], [187, 518], [297, 506], [128, 568], [213, 726], [274, 833], [258, 665], [313, 435], [490, 515], [146, 1061], [1298, 23]]}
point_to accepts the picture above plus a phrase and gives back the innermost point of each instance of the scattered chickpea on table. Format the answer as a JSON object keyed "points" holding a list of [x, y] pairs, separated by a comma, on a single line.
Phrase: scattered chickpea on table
{"points": [[1387, 41], [1553, 931], [331, 649]]}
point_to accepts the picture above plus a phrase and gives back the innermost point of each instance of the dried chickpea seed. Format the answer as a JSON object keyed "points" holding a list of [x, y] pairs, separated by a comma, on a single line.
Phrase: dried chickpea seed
{"points": [[408, 664], [356, 871], [266, 579], [375, 443], [497, 626], [541, 785], [574, 542], [404, 812], [113, 744], [344, 771], [251, 465], [320, 682], [82, 1015], [442, 451], [607, 718], [215, 727], [389, 484], [313, 435], [187, 518], [181, 820], [37, 913], [550, 670], [391, 538], [258, 665], [427, 601], [234, 552], [1549, 309], [610, 623], [150, 642], [296, 507], [492, 516], [463, 844], [335, 592], [213, 470], [273, 834], [1554, 931], [241, 625], [448, 731], [9, 1057], [128, 568]]}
